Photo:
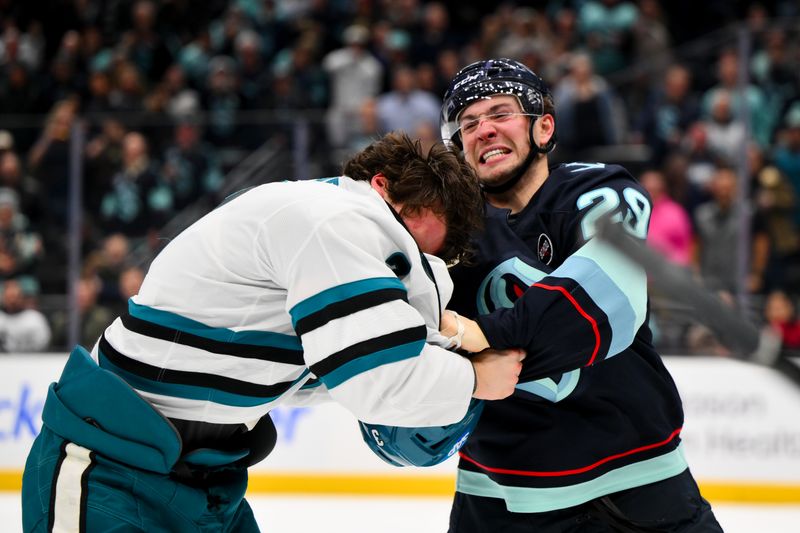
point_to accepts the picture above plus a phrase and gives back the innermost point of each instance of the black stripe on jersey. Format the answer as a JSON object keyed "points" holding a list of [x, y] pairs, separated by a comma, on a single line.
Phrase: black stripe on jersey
{"points": [[197, 379], [54, 485], [249, 351], [367, 347], [348, 307], [85, 492]]}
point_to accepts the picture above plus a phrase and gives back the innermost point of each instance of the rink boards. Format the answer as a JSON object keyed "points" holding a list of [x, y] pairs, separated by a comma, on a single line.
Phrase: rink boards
{"points": [[741, 437]]}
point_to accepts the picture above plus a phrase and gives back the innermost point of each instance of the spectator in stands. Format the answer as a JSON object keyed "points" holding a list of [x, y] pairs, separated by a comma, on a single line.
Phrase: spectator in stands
{"points": [[221, 99], [191, 168], [103, 160], [718, 237], [194, 58], [725, 133], [776, 202], [26, 49], [787, 151], [130, 281], [104, 267], [526, 32], [670, 233], [433, 35], [128, 92], [20, 248], [670, 227], [181, 99], [139, 201], [585, 98], [651, 39], [606, 27], [49, 162], [143, 45], [668, 112], [20, 94], [22, 327], [761, 118], [405, 106], [774, 69], [98, 100], [368, 128], [94, 318], [29, 193], [355, 75], [780, 313], [253, 71], [311, 80]]}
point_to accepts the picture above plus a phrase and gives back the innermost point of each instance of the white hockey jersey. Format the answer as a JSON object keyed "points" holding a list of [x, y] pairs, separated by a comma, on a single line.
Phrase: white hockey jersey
{"points": [[292, 293]]}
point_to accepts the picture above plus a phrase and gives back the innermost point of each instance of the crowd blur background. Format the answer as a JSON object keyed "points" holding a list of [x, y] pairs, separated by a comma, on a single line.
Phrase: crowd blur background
{"points": [[122, 121]]}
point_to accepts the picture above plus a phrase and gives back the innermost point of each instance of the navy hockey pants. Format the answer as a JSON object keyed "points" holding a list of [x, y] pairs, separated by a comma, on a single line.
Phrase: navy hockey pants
{"points": [[672, 505]]}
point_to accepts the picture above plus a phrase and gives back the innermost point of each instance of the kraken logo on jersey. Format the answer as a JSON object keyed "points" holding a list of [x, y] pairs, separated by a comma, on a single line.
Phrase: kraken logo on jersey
{"points": [[501, 288], [505, 283]]}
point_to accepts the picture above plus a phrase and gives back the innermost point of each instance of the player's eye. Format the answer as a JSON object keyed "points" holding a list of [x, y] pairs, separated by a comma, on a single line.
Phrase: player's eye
{"points": [[501, 117], [470, 125]]}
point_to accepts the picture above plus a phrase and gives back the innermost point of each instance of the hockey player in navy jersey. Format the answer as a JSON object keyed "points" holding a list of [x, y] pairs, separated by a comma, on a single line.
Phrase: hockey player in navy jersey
{"points": [[288, 294], [590, 440]]}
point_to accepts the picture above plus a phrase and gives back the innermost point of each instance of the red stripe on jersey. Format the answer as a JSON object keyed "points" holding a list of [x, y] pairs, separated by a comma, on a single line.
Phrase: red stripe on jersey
{"points": [[583, 313], [557, 473]]}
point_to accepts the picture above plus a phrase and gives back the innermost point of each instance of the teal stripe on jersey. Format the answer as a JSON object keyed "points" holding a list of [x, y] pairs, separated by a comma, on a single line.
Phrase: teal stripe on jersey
{"points": [[187, 325], [623, 272], [340, 293], [189, 392], [373, 360], [621, 296], [538, 500]]}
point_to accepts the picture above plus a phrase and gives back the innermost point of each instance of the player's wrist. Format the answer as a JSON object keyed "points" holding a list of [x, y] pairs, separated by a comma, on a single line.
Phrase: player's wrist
{"points": [[455, 339]]}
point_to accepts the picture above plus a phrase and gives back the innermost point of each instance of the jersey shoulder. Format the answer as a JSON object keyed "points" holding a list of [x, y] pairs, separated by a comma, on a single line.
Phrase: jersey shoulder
{"points": [[570, 180]]}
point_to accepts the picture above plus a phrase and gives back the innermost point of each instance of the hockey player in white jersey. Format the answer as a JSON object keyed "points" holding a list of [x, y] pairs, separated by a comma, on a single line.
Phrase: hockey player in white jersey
{"points": [[290, 293]]}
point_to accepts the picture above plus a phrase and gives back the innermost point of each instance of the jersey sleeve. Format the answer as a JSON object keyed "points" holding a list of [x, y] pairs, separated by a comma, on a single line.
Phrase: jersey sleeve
{"points": [[592, 305], [363, 329]]}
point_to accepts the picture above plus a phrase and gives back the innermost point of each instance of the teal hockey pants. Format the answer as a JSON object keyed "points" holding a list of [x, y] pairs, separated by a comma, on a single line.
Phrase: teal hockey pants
{"points": [[105, 461]]}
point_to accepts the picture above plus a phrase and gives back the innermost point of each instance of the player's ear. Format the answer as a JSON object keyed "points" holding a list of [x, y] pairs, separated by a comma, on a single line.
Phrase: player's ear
{"points": [[546, 126], [380, 183]]}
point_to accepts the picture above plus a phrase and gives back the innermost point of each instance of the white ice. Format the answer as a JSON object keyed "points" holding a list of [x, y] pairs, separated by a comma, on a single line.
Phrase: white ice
{"points": [[282, 514]]}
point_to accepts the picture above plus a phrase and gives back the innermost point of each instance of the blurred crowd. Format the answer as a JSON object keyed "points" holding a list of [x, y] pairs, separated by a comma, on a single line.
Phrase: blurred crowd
{"points": [[170, 95]]}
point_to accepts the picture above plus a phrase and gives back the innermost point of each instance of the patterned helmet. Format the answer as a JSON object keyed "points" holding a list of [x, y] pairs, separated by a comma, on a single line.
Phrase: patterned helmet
{"points": [[484, 79], [425, 446]]}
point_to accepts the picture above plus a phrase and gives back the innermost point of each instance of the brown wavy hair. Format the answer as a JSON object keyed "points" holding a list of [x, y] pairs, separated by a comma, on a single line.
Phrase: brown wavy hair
{"points": [[440, 180]]}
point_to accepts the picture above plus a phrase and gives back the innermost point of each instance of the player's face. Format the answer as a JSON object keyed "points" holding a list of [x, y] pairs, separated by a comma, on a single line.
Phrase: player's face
{"points": [[428, 229], [494, 134]]}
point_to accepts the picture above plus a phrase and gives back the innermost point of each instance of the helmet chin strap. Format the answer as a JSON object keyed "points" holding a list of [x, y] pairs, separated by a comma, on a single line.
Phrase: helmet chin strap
{"points": [[514, 179]]}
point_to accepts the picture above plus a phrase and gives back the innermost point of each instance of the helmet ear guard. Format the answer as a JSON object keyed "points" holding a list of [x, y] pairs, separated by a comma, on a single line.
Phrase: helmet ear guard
{"points": [[424, 446], [484, 79]]}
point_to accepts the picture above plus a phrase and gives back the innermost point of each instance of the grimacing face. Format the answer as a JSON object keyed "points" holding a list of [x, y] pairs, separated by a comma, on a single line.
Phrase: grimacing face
{"points": [[494, 136]]}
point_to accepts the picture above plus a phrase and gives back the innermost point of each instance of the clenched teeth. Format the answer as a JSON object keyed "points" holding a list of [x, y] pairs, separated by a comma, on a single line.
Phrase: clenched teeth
{"points": [[491, 153]]}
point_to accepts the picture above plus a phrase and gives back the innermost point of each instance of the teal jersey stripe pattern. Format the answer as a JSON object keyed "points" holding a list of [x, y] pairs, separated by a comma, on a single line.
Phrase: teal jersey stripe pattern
{"points": [[187, 325], [340, 293]]}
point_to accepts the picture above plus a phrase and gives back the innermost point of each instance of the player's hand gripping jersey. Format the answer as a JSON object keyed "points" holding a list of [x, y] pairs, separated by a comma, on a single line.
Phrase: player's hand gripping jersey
{"points": [[294, 293], [575, 429]]}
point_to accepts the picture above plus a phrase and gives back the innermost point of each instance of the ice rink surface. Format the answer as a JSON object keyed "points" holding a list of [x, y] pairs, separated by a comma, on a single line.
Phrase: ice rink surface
{"points": [[281, 514]]}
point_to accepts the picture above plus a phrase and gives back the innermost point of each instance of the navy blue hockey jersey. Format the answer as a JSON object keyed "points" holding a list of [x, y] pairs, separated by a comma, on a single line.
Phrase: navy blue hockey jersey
{"points": [[595, 410]]}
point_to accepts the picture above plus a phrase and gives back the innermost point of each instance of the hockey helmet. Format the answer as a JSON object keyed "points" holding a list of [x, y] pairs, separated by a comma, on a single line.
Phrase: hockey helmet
{"points": [[424, 446], [484, 79]]}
